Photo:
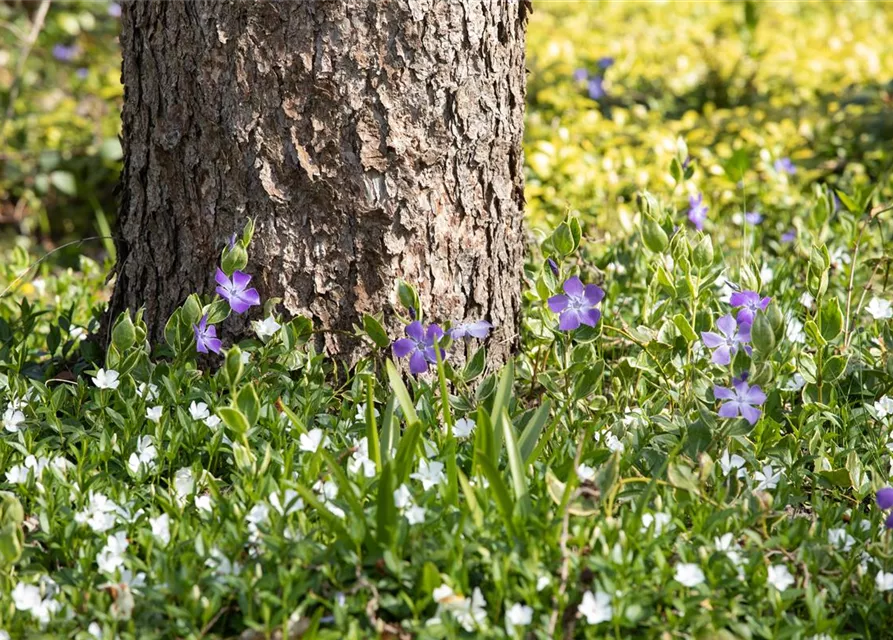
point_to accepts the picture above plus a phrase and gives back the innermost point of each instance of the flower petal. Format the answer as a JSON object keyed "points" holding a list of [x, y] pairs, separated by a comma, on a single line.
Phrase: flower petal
{"points": [[729, 409], [727, 325], [568, 320], [590, 317], [241, 279], [434, 331], [723, 393], [573, 287], [885, 498], [558, 303], [745, 316], [221, 278], [754, 395], [593, 294], [712, 340], [417, 363], [722, 356], [251, 296], [750, 413], [403, 347], [479, 329], [415, 331]]}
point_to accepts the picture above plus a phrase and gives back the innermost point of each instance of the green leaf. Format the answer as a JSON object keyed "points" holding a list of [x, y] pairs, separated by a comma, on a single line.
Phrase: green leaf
{"points": [[249, 403], [375, 331], [403, 461], [235, 420], [333, 521], [371, 427], [386, 512], [408, 296], [401, 393], [499, 492], [528, 440], [685, 328], [233, 367], [563, 239], [217, 311], [64, 182], [833, 368], [475, 366], [831, 318], [500, 402], [477, 516], [762, 335], [851, 205], [516, 465]]}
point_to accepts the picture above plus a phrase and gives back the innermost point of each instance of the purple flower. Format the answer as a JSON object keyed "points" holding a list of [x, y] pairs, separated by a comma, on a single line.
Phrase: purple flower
{"points": [[82, 73], [65, 53], [596, 88], [789, 236], [750, 303], [478, 330], [885, 498], [206, 336], [753, 217], [581, 75], [697, 211], [742, 400], [726, 343], [578, 306], [236, 291], [553, 266], [606, 62], [686, 162], [115, 10], [784, 165], [419, 346]]}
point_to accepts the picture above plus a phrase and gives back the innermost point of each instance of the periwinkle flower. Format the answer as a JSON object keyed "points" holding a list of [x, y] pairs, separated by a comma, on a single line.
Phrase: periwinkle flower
{"points": [[605, 62], [479, 329], [725, 344], [419, 346], [885, 498], [64, 52], [581, 75], [750, 302], [697, 211], [742, 399], [206, 336], [236, 291], [753, 217], [789, 236], [82, 73], [784, 165], [577, 305], [596, 88], [114, 10]]}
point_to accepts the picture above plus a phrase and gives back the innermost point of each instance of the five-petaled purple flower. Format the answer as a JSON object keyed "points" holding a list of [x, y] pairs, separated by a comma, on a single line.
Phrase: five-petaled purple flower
{"points": [[753, 217], [742, 399], [596, 88], [885, 501], [784, 165], [419, 346], [726, 343], [479, 329], [236, 291], [206, 336], [577, 305], [697, 211], [750, 303]]}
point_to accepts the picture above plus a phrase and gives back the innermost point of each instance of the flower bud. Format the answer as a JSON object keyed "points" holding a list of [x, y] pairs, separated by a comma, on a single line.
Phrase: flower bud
{"points": [[703, 253], [124, 333], [654, 236]]}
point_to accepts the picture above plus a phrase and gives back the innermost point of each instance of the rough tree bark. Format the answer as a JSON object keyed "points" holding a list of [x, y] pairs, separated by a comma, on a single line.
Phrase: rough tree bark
{"points": [[369, 139]]}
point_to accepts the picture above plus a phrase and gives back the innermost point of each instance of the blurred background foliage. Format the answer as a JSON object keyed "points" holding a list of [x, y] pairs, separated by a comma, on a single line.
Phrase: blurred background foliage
{"points": [[612, 87]]}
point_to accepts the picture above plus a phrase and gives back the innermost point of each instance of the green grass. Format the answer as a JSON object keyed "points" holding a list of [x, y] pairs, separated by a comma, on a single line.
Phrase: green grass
{"points": [[599, 487]]}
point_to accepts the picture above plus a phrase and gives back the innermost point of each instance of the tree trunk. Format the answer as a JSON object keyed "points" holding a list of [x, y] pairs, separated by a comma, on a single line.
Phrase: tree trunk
{"points": [[369, 139]]}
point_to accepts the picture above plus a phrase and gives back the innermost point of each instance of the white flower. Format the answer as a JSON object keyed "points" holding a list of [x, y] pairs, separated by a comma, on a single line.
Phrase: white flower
{"points": [[402, 497], [840, 538], [17, 474], [267, 328], [100, 513], [780, 577], [470, 613], [585, 473], [161, 528], [360, 460], [106, 379], [245, 358], [596, 608], [145, 454], [258, 515], [880, 309], [361, 412], [794, 384], [732, 463], [463, 427], [28, 597], [313, 440], [806, 299], [289, 503], [203, 503], [148, 391], [884, 407], [613, 443], [839, 257], [184, 483], [13, 419], [222, 565], [77, 333], [415, 514], [328, 491], [884, 581], [659, 520], [767, 478], [542, 582], [198, 410], [726, 544], [688, 574], [793, 330], [429, 474], [212, 422], [111, 556], [518, 615], [154, 413]]}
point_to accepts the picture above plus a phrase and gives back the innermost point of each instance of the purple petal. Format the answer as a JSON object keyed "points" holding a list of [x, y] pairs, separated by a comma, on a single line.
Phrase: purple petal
{"points": [[223, 293], [745, 316], [213, 344], [431, 355], [744, 332], [403, 347], [593, 294], [723, 393], [712, 340], [241, 279], [754, 395], [885, 498], [573, 287], [479, 329], [741, 387], [727, 325], [722, 356], [729, 409], [417, 363], [765, 303], [568, 320], [251, 296], [590, 317], [238, 305], [558, 303], [221, 278], [415, 331], [750, 413], [434, 331]]}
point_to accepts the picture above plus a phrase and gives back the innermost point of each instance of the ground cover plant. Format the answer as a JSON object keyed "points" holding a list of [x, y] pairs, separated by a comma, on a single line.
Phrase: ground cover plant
{"points": [[694, 439]]}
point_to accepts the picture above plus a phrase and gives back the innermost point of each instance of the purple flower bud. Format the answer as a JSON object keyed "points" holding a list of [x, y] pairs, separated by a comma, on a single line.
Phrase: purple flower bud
{"points": [[686, 162], [885, 498], [553, 266], [753, 217], [232, 242], [412, 313]]}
